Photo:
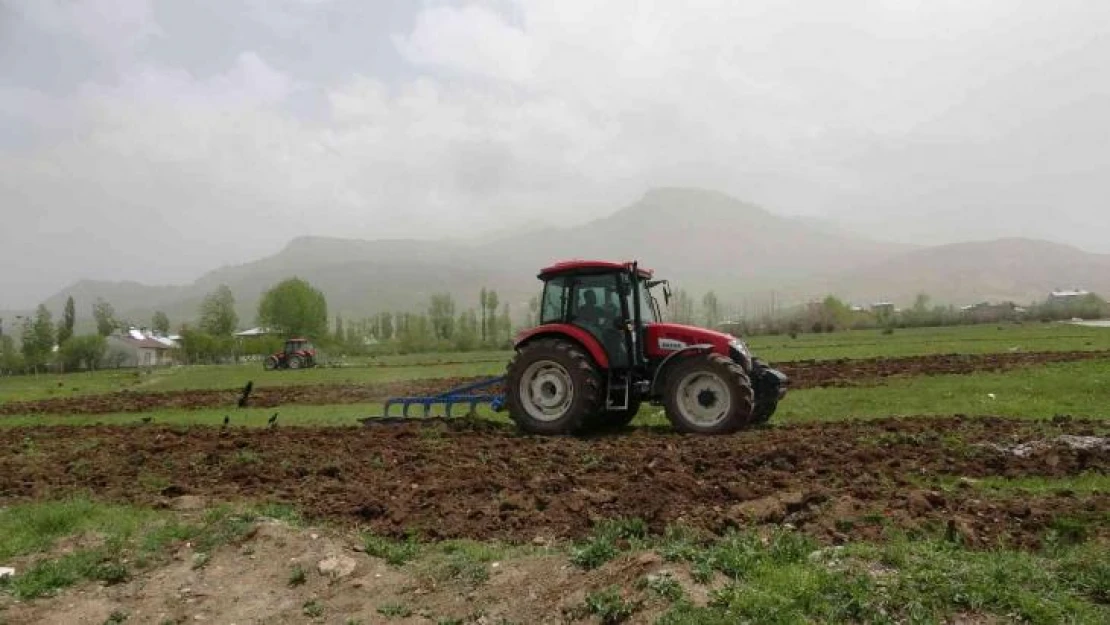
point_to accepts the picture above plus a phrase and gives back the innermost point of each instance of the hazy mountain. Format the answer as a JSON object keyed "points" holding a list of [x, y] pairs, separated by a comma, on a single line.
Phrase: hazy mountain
{"points": [[698, 239], [1012, 269], [703, 239]]}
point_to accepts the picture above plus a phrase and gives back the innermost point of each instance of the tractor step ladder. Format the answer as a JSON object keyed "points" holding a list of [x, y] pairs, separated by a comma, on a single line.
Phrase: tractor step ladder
{"points": [[464, 395], [623, 383]]}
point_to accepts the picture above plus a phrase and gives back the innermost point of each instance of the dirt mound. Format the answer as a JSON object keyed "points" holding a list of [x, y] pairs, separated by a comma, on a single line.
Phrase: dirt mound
{"points": [[803, 374], [249, 582], [834, 480]]}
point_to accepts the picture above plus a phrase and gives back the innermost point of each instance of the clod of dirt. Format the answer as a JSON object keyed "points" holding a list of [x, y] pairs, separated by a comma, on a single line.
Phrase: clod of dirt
{"points": [[1082, 443], [918, 504], [188, 502], [336, 567], [764, 510]]}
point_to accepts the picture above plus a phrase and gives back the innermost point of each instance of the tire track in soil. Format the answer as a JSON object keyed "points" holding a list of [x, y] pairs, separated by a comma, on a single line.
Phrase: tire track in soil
{"points": [[458, 479], [803, 374]]}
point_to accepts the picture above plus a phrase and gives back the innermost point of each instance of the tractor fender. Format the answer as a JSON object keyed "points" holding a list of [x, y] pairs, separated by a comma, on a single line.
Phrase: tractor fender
{"points": [[700, 348], [566, 331]]}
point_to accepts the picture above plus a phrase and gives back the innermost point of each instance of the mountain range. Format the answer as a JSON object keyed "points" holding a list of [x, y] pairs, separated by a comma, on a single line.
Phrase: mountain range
{"points": [[698, 239]]}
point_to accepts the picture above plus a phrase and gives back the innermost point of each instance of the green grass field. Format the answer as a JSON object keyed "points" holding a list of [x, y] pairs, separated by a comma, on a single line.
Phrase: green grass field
{"points": [[853, 344], [1080, 389], [979, 339]]}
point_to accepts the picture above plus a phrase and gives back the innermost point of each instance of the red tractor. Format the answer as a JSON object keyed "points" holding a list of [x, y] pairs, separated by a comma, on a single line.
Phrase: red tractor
{"points": [[297, 354], [601, 349]]}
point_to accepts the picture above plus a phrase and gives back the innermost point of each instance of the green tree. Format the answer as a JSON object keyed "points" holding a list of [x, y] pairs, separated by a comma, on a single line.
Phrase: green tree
{"points": [[160, 323], [534, 310], [11, 360], [69, 317], [217, 312], [506, 323], [712, 309], [441, 312], [383, 326], [200, 347], [295, 308], [682, 307], [38, 338], [340, 337], [415, 334], [466, 335], [105, 317], [492, 322], [84, 351], [483, 307]]}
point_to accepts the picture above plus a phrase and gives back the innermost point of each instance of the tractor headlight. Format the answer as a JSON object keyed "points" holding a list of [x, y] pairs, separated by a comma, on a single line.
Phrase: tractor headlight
{"points": [[740, 353]]}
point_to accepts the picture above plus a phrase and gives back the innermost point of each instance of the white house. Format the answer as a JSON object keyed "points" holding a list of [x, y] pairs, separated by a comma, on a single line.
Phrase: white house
{"points": [[139, 348], [1059, 295]]}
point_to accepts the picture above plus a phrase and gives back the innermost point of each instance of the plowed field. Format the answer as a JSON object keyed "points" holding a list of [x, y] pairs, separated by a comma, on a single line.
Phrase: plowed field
{"points": [[835, 481], [803, 374]]}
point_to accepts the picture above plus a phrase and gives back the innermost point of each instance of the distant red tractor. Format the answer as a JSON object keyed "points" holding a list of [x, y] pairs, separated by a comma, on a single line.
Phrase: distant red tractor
{"points": [[297, 354]]}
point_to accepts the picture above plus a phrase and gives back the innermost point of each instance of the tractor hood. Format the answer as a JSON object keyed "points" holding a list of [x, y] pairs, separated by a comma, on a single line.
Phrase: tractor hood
{"points": [[669, 337], [698, 335]]}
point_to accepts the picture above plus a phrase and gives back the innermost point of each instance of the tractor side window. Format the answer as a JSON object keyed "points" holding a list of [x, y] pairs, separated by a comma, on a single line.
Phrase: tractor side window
{"points": [[555, 294], [595, 299]]}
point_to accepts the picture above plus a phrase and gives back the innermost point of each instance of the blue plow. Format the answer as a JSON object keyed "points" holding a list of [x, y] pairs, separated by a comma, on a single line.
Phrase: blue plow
{"points": [[462, 395]]}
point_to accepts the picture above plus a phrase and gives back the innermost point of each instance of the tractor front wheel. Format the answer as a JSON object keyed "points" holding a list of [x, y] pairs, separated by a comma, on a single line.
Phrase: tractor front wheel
{"points": [[270, 363], [708, 394], [552, 387]]}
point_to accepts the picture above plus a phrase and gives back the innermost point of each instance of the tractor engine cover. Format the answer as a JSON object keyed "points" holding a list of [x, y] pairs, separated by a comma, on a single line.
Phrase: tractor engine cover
{"points": [[663, 339]]}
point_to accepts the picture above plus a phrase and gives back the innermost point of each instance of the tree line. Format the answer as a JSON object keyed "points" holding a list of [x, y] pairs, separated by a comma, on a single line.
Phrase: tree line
{"points": [[293, 307]]}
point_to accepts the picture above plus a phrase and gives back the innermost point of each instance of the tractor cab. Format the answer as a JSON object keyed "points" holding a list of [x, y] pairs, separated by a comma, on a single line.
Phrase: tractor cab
{"points": [[292, 346], [609, 301], [601, 348]]}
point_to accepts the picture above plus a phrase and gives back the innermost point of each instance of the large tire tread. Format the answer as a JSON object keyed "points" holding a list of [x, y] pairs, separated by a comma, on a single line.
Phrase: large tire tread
{"points": [[743, 397], [585, 376]]}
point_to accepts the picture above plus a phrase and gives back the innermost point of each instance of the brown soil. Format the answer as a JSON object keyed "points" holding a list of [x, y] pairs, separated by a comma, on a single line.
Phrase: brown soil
{"points": [[803, 374], [479, 480], [264, 397]]}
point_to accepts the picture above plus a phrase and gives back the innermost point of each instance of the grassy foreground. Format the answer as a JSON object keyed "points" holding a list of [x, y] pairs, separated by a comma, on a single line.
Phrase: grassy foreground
{"points": [[776, 577]]}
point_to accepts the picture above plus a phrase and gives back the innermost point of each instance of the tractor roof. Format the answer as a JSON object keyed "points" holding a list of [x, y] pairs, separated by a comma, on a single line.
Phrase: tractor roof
{"points": [[589, 266]]}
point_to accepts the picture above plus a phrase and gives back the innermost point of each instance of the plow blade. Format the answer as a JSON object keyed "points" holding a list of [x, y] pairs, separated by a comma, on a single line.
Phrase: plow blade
{"points": [[463, 395]]}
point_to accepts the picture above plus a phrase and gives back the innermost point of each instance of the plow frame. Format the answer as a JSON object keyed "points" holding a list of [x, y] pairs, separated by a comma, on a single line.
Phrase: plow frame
{"points": [[464, 395]]}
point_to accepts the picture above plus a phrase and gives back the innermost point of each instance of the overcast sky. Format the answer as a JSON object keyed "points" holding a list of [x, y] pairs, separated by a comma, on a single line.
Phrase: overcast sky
{"points": [[156, 139]]}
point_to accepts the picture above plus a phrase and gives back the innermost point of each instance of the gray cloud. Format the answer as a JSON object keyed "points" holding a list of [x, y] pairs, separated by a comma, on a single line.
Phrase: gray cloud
{"points": [[152, 140]]}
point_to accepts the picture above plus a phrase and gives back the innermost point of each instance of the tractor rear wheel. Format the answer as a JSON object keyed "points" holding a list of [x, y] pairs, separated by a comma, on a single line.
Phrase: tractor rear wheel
{"points": [[552, 387], [295, 361], [708, 394]]}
